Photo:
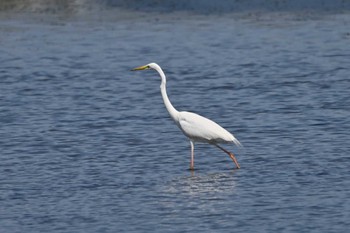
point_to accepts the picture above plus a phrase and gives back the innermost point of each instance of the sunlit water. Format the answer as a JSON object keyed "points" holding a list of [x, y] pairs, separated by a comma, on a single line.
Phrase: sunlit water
{"points": [[87, 145]]}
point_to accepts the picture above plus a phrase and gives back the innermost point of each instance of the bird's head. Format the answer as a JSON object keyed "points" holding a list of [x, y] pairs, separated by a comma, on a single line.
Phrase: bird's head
{"points": [[146, 67]]}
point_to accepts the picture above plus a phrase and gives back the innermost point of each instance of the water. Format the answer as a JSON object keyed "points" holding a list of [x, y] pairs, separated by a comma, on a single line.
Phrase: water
{"points": [[87, 146]]}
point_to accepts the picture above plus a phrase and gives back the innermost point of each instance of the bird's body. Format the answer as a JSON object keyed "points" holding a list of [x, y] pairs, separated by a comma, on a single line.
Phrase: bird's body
{"points": [[191, 124], [197, 128]]}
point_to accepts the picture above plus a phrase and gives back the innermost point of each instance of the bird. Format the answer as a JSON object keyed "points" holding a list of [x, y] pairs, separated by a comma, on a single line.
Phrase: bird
{"points": [[197, 128]]}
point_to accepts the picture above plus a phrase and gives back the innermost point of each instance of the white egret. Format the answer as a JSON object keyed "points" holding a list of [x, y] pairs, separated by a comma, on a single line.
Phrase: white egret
{"points": [[194, 126]]}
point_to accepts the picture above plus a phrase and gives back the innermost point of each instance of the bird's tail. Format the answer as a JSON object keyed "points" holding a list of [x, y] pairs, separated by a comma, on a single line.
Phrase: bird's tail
{"points": [[236, 142]]}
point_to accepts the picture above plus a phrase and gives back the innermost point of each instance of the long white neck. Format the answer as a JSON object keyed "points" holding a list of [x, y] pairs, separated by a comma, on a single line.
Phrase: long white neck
{"points": [[172, 111]]}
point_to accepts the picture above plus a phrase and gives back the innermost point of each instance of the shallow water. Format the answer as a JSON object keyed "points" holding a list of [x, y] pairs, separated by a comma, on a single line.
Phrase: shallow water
{"points": [[87, 146]]}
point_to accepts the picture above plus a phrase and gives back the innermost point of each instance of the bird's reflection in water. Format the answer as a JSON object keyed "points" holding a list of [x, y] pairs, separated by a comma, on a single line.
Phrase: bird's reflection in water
{"points": [[197, 184]]}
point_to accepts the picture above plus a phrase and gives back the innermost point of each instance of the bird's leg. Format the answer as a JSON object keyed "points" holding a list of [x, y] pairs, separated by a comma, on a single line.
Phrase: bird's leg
{"points": [[192, 156], [232, 156]]}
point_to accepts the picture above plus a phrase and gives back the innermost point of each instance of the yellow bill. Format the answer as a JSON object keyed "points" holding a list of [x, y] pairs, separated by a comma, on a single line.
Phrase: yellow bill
{"points": [[141, 68]]}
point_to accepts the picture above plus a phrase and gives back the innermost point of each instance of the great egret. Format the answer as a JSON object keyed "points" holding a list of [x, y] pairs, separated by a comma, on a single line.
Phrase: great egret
{"points": [[194, 126]]}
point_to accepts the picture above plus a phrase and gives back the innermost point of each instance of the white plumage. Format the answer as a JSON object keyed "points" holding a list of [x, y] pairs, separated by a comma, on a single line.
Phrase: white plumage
{"points": [[194, 126]]}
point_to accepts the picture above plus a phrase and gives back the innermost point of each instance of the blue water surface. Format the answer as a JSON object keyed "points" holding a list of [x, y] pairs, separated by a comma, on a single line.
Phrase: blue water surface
{"points": [[87, 146]]}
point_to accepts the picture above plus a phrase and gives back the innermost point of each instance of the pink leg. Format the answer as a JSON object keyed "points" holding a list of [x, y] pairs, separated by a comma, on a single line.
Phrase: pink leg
{"points": [[232, 156], [192, 156]]}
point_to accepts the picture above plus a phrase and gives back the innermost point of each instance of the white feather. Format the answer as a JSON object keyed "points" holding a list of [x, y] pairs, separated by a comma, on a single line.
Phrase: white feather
{"points": [[201, 129]]}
